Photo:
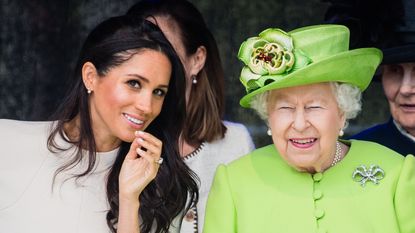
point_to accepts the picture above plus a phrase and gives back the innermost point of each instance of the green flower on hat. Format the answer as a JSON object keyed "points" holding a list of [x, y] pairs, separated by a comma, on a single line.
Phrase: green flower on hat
{"points": [[268, 56]]}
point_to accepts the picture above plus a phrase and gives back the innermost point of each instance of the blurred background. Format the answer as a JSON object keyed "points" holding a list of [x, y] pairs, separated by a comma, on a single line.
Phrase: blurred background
{"points": [[40, 41]]}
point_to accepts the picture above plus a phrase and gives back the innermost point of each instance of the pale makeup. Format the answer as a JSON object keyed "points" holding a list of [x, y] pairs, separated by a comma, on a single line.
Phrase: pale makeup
{"points": [[398, 81], [129, 96], [305, 122]]}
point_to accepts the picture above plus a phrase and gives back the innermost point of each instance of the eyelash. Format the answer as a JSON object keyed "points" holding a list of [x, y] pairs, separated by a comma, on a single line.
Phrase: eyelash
{"points": [[313, 107], [159, 92], [136, 84]]}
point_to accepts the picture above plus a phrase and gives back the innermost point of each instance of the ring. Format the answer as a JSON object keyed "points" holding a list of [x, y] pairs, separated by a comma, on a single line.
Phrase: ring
{"points": [[159, 161]]}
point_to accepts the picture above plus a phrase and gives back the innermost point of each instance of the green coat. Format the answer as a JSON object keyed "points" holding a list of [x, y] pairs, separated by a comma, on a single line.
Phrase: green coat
{"points": [[260, 193]]}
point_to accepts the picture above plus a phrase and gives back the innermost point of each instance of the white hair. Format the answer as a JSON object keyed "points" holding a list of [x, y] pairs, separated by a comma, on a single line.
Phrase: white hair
{"points": [[348, 98]]}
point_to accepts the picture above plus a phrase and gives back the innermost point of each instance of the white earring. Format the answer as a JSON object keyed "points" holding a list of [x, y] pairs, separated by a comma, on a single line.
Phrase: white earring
{"points": [[89, 91], [341, 132], [194, 79], [269, 132]]}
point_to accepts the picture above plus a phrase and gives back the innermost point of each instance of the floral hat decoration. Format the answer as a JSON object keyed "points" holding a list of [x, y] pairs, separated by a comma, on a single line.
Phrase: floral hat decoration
{"points": [[277, 59]]}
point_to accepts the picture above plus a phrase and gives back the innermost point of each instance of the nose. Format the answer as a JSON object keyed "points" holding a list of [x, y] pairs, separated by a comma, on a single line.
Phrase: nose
{"points": [[300, 122], [408, 83], [144, 102]]}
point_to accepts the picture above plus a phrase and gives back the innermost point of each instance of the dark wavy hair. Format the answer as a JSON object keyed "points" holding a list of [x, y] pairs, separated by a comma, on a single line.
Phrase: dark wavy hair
{"points": [[206, 108], [111, 43]]}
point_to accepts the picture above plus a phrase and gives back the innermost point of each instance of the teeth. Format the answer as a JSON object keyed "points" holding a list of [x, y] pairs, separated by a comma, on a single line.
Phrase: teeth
{"points": [[305, 141], [134, 120]]}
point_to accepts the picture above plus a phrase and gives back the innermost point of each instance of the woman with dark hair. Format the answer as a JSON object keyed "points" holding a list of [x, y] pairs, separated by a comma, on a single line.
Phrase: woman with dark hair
{"points": [[53, 174], [206, 140]]}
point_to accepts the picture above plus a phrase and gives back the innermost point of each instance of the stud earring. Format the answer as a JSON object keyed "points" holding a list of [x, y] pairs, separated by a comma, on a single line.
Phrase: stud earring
{"points": [[89, 91], [194, 79], [269, 132], [341, 132]]}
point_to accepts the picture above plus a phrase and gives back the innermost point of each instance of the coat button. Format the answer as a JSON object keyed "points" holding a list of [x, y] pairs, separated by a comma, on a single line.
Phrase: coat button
{"points": [[319, 213], [318, 176], [317, 194]]}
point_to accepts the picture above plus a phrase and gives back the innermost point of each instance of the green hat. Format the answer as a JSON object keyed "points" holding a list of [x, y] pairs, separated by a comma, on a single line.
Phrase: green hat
{"points": [[307, 55]]}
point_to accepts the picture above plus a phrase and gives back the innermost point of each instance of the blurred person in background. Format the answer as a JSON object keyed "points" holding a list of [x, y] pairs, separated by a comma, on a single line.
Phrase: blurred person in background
{"points": [[390, 26]]}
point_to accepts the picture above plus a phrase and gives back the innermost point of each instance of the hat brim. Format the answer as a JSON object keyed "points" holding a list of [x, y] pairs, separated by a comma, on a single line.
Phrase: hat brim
{"points": [[356, 67], [399, 54]]}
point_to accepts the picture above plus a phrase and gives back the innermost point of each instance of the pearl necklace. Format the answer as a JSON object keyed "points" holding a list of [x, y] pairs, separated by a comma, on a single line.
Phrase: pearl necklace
{"points": [[337, 155]]}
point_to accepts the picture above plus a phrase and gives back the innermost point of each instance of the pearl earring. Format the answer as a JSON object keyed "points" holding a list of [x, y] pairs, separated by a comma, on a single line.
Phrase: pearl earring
{"points": [[89, 91], [269, 132], [341, 133], [194, 79]]}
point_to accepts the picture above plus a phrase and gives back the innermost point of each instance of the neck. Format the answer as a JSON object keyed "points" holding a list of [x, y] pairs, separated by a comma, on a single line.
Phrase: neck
{"points": [[338, 154], [186, 148]]}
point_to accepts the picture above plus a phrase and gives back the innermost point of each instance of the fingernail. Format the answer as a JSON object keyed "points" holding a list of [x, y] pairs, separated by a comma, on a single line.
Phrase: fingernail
{"points": [[140, 132], [138, 150], [136, 133], [140, 140]]}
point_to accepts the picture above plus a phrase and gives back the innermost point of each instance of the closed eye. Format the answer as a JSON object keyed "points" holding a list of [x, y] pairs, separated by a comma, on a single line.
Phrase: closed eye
{"points": [[285, 108]]}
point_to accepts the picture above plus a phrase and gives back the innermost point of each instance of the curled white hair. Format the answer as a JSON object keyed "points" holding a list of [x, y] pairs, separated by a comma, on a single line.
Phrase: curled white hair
{"points": [[348, 98]]}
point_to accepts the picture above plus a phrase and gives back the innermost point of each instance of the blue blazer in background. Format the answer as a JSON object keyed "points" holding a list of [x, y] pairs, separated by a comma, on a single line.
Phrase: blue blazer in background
{"points": [[388, 135]]}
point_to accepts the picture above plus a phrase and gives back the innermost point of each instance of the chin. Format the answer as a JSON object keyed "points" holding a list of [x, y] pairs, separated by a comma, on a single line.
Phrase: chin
{"points": [[127, 136]]}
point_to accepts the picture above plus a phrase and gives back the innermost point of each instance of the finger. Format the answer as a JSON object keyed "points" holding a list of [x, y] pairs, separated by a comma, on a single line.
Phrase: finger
{"points": [[149, 147], [152, 162], [147, 154], [132, 154], [149, 138], [150, 143]]}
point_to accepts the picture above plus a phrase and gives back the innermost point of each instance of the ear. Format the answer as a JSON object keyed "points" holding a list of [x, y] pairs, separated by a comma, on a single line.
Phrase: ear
{"points": [[89, 75], [198, 60], [343, 120]]}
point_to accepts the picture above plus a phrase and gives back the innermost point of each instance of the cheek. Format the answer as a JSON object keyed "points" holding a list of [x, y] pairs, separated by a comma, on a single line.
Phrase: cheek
{"points": [[278, 122], [390, 87], [112, 96], [329, 126]]}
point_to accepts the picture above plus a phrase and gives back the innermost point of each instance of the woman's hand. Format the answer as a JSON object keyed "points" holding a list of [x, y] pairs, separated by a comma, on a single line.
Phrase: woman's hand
{"points": [[140, 166]]}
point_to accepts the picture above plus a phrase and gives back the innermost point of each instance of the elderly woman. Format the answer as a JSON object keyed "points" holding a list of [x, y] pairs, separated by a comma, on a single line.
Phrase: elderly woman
{"points": [[306, 84]]}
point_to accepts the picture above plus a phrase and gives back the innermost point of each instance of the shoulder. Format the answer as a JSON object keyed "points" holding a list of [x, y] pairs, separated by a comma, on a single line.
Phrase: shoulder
{"points": [[22, 135], [370, 153], [235, 129], [24, 127], [372, 133], [373, 149], [236, 142], [256, 159], [237, 133], [263, 165], [23, 151]]}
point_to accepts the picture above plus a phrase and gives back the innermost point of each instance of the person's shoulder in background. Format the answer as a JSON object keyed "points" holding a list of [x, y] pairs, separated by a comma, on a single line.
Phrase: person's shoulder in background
{"points": [[387, 135]]}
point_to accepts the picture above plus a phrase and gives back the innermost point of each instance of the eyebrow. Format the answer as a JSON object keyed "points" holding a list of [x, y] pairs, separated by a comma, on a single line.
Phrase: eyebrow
{"points": [[146, 80]]}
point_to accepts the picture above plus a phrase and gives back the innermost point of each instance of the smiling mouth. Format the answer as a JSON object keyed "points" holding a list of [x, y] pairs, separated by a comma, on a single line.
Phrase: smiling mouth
{"points": [[133, 120], [303, 141], [407, 107]]}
